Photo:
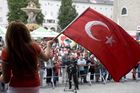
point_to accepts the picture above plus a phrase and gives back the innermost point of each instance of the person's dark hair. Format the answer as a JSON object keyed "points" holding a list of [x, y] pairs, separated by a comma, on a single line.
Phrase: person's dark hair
{"points": [[21, 55]]}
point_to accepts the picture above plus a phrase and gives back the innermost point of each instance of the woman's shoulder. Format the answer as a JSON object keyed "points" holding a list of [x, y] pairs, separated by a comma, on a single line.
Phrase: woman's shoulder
{"points": [[35, 44], [36, 47]]}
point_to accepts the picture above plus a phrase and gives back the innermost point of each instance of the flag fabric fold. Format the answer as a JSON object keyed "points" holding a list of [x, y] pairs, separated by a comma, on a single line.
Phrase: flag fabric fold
{"points": [[116, 50]]}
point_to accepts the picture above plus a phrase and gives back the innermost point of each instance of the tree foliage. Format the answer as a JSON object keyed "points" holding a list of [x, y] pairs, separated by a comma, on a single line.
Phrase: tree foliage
{"points": [[67, 13], [15, 12]]}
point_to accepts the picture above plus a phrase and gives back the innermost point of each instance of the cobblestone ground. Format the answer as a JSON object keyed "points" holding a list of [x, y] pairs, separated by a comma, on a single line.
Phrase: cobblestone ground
{"points": [[128, 86]]}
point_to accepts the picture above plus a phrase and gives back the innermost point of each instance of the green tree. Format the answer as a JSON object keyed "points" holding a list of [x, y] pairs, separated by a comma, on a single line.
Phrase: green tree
{"points": [[16, 13], [67, 13]]}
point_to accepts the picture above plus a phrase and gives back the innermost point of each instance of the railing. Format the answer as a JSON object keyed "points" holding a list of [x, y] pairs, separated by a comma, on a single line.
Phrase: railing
{"points": [[63, 78]]}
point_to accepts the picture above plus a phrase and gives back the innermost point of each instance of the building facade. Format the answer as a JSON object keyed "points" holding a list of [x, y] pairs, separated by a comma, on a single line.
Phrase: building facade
{"points": [[126, 14], [50, 9], [3, 12]]}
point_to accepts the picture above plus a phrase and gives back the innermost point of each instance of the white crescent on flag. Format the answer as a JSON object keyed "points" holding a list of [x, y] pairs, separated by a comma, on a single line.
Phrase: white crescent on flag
{"points": [[91, 24]]}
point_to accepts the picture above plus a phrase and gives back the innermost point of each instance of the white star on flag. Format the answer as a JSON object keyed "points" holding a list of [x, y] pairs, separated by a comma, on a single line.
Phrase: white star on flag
{"points": [[109, 40]]}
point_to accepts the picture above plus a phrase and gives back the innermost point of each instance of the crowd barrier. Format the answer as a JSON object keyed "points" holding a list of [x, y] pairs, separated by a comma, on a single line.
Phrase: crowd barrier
{"points": [[63, 77]]}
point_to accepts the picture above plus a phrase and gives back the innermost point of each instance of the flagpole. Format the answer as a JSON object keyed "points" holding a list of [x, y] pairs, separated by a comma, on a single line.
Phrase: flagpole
{"points": [[70, 24]]}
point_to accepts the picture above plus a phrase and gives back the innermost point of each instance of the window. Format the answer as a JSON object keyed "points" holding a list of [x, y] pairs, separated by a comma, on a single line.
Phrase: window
{"points": [[1, 19], [46, 4], [138, 36], [46, 28], [124, 11], [52, 28], [0, 8], [45, 12], [50, 21]]}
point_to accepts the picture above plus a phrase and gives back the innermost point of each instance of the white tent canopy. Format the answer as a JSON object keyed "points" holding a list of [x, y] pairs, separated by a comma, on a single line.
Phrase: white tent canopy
{"points": [[2, 36], [2, 31], [42, 32]]}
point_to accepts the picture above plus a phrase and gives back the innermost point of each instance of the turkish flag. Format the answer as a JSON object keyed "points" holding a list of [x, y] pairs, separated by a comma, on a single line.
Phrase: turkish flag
{"points": [[116, 50]]}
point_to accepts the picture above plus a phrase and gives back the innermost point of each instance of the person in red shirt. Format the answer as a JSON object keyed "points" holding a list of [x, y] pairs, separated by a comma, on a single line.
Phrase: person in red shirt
{"points": [[20, 59]]}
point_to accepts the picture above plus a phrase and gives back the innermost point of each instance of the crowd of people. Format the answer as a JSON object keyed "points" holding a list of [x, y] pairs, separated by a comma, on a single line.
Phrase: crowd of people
{"points": [[63, 56]]}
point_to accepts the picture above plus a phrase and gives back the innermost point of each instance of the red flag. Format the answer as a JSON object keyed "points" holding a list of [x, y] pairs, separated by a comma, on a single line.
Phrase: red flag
{"points": [[116, 50]]}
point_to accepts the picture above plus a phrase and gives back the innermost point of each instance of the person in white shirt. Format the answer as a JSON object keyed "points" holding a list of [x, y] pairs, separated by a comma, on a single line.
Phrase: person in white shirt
{"points": [[81, 62]]}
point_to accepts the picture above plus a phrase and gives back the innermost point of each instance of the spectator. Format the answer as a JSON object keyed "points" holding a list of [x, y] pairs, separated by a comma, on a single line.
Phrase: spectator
{"points": [[41, 71], [65, 60], [72, 70], [57, 66], [91, 67], [134, 72], [97, 69], [2, 85], [81, 62], [139, 69]]}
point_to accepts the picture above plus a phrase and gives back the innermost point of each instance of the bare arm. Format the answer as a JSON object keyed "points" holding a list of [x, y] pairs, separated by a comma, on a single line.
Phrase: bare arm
{"points": [[6, 70]]}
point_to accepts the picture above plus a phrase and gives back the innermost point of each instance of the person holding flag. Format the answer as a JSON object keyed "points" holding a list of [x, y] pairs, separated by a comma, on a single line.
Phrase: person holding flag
{"points": [[20, 59]]}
